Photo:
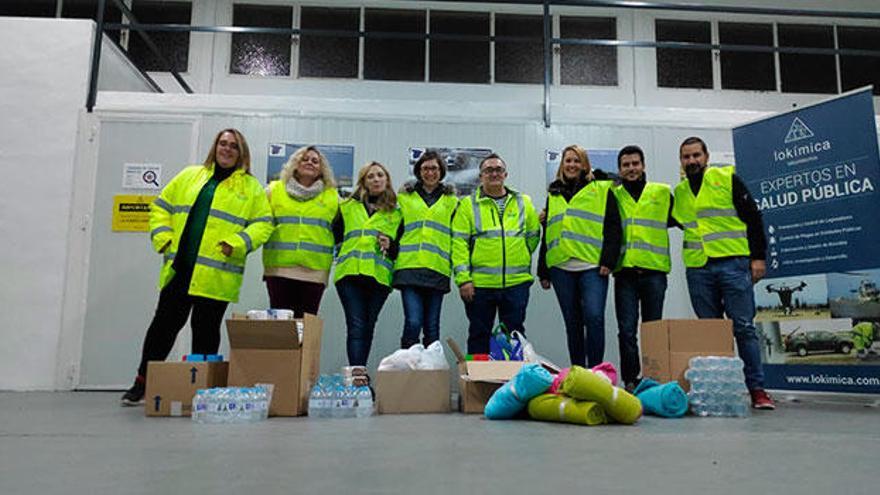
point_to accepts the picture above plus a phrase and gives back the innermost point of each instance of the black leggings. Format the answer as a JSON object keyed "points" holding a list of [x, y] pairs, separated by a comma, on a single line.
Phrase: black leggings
{"points": [[171, 314]]}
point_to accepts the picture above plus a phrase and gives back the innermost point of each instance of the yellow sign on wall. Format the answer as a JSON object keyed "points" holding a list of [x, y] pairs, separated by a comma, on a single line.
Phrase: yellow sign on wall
{"points": [[131, 213]]}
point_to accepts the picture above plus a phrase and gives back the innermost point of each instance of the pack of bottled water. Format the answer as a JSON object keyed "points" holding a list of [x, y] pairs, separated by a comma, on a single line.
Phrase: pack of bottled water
{"points": [[331, 397], [231, 405], [717, 387]]}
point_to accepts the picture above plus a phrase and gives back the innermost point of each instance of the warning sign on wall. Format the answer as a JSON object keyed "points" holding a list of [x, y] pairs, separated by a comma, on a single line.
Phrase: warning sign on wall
{"points": [[131, 213]]}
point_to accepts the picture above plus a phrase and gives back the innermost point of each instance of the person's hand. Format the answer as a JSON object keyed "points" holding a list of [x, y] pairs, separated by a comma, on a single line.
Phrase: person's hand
{"points": [[384, 243], [226, 248], [604, 271], [542, 216], [466, 291], [759, 269], [545, 284]]}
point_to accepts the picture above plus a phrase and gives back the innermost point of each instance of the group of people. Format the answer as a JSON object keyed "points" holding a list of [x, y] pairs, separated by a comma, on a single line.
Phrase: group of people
{"points": [[211, 216]]}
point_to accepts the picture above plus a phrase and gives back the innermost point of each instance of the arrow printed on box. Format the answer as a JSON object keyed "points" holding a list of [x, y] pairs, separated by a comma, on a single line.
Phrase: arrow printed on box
{"points": [[192, 372], [157, 401]]}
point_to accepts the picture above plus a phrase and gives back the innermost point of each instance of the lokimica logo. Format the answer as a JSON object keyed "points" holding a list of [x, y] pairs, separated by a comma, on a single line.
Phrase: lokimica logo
{"points": [[800, 152]]}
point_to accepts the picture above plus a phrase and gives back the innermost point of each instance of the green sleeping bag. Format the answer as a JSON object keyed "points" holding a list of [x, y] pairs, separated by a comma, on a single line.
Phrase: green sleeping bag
{"points": [[620, 405], [559, 408]]}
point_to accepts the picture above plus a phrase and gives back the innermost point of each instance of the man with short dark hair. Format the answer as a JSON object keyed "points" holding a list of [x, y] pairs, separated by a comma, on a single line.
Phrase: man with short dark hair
{"points": [[640, 279], [495, 231], [724, 250]]}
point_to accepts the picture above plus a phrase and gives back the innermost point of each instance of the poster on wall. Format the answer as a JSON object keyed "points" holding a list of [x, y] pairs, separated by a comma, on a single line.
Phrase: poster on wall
{"points": [[602, 159], [813, 173], [131, 213], [142, 176], [341, 158], [462, 166]]}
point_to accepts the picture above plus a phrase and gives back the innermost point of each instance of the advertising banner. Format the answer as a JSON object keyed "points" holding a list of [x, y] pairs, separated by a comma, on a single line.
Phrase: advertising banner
{"points": [[813, 173], [341, 160]]}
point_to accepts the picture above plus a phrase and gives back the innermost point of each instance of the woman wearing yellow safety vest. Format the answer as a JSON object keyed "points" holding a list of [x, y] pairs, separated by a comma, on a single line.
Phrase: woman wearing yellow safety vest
{"points": [[366, 224], [204, 223], [424, 262], [298, 256], [581, 244]]}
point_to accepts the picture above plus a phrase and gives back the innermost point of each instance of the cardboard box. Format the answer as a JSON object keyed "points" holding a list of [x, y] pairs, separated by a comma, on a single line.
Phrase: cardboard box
{"points": [[172, 385], [413, 391], [478, 380], [667, 345], [270, 352]]}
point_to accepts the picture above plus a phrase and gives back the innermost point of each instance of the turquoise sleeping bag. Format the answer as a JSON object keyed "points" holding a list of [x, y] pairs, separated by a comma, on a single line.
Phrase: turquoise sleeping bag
{"points": [[531, 381], [668, 400]]}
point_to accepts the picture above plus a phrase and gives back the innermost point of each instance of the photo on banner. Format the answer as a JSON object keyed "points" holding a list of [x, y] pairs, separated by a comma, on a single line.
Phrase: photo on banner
{"points": [[462, 166], [340, 157], [813, 173], [601, 159]]}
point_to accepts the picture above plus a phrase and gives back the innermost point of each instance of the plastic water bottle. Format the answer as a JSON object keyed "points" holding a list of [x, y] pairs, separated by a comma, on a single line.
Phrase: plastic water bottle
{"points": [[364, 402], [199, 406], [316, 402]]}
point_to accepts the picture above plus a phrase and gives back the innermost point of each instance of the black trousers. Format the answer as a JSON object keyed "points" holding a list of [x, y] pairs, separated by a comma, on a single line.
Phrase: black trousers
{"points": [[172, 312], [298, 296]]}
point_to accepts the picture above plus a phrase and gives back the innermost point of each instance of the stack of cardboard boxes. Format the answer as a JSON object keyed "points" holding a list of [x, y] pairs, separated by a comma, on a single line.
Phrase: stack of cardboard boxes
{"points": [[265, 352]]}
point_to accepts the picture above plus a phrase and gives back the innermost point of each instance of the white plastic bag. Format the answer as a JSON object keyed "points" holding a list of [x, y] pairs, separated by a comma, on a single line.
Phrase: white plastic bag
{"points": [[433, 358], [403, 359], [529, 353]]}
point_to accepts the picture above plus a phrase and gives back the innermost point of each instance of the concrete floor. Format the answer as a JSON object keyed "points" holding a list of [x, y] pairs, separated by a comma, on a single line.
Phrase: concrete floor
{"points": [[83, 442]]}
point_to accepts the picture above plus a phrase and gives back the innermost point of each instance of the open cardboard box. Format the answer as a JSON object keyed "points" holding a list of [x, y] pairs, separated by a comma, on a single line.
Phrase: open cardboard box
{"points": [[478, 380], [270, 352], [668, 345], [412, 391]]}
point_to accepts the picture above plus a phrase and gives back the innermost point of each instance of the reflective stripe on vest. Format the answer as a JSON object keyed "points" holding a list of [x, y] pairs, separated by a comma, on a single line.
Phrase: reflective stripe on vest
{"points": [[712, 227], [303, 233], [360, 253], [574, 228], [645, 235]]}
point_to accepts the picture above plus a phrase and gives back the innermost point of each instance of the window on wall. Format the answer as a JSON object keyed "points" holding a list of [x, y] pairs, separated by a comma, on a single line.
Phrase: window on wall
{"points": [[28, 8], [261, 54], [521, 60], [174, 46], [747, 70], [678, 68], [459, 61], [807, 73], [858, 70], [328, 56], [394, 59], [587, 64]]}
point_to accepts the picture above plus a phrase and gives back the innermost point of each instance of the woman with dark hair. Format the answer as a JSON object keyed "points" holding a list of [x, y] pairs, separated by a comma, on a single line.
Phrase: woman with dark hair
{"points": [[298, 256], [424, 263], [581, 244], [366, 226], [205, 223]]}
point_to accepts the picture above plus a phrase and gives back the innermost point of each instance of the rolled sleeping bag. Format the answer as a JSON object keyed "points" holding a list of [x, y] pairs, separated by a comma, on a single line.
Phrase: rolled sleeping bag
{"points": [[604, 369], [562, 409], [668, 400], [531, 380], [620, 405]]}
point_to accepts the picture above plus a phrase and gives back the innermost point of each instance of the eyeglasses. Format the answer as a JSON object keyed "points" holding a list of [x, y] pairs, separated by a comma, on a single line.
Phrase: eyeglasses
{"points": [[493, 171], [430, 168], [227, 144]]}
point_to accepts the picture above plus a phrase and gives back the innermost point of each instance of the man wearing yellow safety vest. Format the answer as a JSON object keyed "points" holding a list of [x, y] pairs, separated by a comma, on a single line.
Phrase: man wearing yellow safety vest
{"points": [[724, 250], [495, 231], [640, 278]]}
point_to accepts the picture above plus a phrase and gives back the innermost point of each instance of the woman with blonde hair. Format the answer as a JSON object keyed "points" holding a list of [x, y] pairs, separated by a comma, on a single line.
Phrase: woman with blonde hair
{"points": [[298, 256], [366, 226], [580, 248], [204, 223]]}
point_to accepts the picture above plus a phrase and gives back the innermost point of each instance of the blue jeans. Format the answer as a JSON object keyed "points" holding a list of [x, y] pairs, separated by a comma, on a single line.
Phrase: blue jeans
{"points": [[724, 286], [632, 288], [362, 299], [421, 310], [510, 306], [581, 297]]}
